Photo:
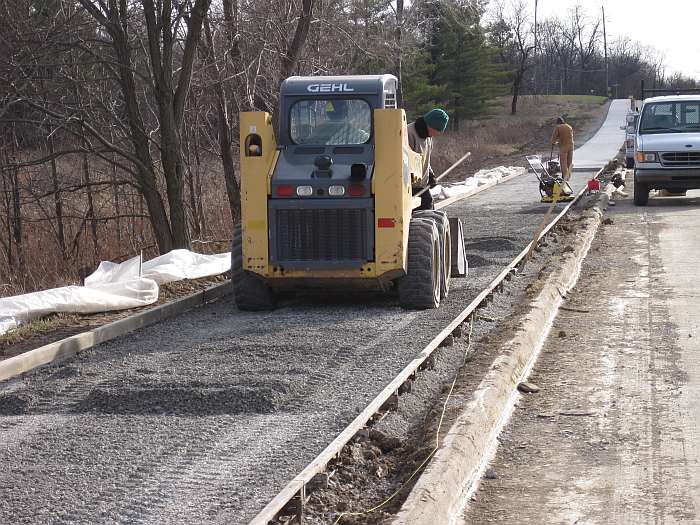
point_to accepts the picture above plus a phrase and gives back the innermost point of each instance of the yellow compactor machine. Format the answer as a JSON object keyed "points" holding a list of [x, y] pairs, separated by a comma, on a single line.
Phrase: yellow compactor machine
{"points": [[327, 201]]}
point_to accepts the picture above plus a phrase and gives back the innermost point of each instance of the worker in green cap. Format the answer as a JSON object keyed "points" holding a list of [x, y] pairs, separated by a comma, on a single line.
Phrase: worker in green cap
{"points": [[420, 138]]}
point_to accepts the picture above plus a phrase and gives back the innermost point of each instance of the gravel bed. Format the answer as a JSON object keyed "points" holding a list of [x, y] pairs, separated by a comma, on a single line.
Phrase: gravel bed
{"points": [[377, 466], [205, 417]]}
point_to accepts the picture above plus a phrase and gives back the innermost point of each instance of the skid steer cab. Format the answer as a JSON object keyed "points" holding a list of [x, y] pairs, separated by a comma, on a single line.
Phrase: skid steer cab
{"points": [[327, 200]]}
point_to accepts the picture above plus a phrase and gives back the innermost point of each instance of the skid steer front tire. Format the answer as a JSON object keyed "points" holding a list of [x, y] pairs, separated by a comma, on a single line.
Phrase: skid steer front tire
{"points": [[419, 289], [249, 290], [445, 234]]}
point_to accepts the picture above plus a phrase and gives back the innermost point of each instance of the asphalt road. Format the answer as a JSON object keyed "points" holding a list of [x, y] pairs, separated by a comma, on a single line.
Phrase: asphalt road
{"points": [[612, 437]]}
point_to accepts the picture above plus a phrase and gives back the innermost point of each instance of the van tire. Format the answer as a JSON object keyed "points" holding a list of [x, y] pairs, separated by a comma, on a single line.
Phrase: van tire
{"points": [[250, 291], [641, 194], [419, 289]]}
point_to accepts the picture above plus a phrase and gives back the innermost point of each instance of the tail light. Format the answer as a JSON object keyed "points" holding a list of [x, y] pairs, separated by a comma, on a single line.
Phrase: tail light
{"points": [[356, 190], [285, 190]]}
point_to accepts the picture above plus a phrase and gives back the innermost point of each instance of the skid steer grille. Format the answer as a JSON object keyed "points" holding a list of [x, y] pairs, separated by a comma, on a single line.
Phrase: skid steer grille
{"points": [[335, 237], [684, 158]]}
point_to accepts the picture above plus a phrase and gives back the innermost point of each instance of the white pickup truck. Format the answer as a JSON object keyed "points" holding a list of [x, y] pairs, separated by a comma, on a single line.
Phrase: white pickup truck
{"points": [[667, 146]]}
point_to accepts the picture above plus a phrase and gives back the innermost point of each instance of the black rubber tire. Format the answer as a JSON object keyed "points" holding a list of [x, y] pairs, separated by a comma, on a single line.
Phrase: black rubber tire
{"points": [[641, 194], [250, 291], [443, 226], [629, 163], [419, 289]]}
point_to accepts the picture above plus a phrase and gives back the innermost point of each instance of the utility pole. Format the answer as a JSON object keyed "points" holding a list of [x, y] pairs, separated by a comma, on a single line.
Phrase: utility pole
{"points": [[605, 46]]}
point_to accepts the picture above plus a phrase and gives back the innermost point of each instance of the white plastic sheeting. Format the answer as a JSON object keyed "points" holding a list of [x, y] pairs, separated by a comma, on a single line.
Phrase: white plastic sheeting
{"points": [[113, 286], [173, 266], [480, 178]]}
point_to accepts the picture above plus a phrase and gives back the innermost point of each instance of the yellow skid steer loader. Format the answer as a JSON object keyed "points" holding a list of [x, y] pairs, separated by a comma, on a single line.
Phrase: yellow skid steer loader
{"points": [[327, 201]]}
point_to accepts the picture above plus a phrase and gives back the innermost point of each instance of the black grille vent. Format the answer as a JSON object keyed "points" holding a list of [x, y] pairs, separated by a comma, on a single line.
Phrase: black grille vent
{"points": [[321, 235], [681, 158]]}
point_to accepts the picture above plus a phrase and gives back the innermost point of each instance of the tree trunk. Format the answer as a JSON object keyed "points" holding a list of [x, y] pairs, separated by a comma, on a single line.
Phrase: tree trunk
{"points": [[516, 93], [171, 102], [90, 213], [145, 174], [233, 189], [90, 208], [291, 57], [58, 204], [200, 197], [17, 221]]}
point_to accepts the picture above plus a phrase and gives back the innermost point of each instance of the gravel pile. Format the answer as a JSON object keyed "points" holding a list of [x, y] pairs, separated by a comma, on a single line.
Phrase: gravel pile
{"points": [[204, 418]]}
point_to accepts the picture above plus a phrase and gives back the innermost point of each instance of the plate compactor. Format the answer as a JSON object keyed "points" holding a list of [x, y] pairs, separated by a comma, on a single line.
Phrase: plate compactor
{"points": [[327, 202], [552, 185]]}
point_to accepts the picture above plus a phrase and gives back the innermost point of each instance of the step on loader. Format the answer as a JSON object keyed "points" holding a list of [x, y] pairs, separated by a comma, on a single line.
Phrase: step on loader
{"points": [[327, 202]]}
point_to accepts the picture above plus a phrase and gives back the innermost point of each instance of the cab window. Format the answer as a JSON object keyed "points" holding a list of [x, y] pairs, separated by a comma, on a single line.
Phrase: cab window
{"points": [[330, 122]]}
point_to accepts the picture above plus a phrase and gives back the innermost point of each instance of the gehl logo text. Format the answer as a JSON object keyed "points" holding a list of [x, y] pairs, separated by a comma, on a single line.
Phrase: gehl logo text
{"points": [[329, 88]]}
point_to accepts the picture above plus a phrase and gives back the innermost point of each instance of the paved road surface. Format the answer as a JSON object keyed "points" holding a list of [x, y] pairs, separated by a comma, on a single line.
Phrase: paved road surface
{"points": [[613, 437]]}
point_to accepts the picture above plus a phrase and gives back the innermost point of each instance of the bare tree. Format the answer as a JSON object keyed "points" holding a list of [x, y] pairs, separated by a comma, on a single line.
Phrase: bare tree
{"points": [[172, 28], [512, 34]]}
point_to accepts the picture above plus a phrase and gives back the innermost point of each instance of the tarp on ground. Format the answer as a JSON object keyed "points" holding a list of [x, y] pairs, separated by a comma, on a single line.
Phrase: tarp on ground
{"points": [[480, 178], [113, 286]]}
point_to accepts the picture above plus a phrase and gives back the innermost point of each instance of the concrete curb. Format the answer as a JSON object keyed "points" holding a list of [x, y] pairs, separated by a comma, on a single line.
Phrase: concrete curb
{"points": [[60, 350], [453, 474]]}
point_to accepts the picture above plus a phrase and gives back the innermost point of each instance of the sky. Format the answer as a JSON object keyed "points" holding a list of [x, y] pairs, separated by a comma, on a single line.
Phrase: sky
{"points": [[671, 26]]}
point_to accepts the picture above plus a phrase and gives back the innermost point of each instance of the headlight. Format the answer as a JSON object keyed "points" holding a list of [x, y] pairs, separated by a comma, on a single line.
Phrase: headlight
{"points": [[305, 191], [645, 156]]}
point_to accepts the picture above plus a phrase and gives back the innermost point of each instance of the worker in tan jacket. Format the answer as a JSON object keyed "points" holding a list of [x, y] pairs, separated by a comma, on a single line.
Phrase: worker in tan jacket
{"points": [[564, 136], [420, 139]]}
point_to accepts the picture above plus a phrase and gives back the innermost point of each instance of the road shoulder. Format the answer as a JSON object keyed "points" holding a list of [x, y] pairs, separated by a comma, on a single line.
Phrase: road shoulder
{"points": [[610, 437]]}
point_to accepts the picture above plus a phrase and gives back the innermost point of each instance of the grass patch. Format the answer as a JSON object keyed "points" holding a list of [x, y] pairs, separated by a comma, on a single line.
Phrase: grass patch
{"points": [[35, 327], [581, 99]]}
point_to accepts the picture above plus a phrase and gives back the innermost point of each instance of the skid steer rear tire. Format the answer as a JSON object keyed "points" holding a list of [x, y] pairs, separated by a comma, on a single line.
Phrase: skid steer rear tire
{"points": [[419, 289], [250, 291], [445, 233]]}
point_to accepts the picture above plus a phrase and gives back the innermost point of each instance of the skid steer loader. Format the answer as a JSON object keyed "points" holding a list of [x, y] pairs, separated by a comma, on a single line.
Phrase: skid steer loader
{"points": [[327, 201]]}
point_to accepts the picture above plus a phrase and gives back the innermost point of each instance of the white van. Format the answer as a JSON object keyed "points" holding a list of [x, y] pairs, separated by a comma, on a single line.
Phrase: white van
{"points": [[667, 146]]}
